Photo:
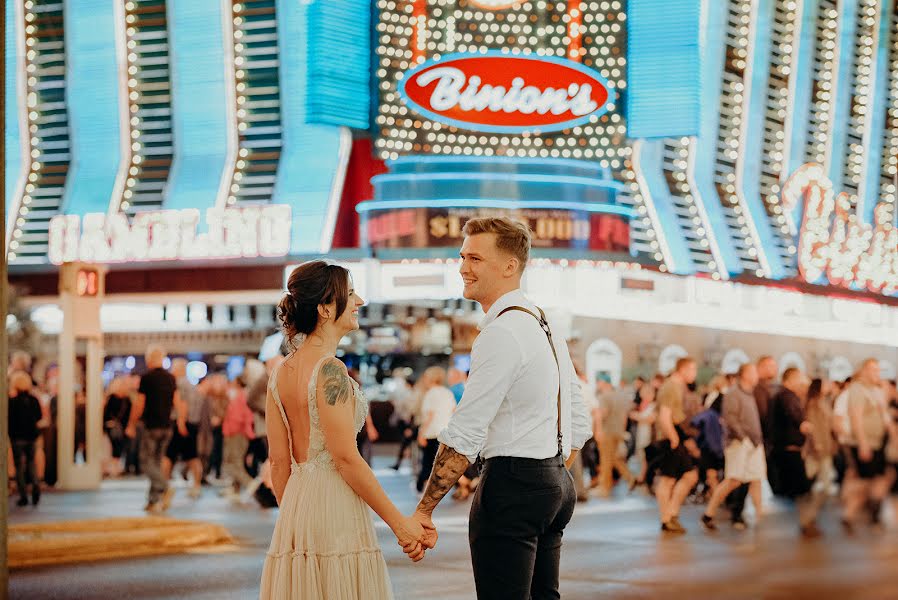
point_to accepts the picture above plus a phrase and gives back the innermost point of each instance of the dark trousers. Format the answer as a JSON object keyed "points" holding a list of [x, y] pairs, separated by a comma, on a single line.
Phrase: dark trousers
{"points": [[518, 517], [428, 455], [217, 455], [153, 444], [409, 435], [23, 459]]}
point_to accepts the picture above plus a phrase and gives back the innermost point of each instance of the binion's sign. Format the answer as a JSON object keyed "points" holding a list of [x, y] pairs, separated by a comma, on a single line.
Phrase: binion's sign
{"points": [[505, 93], [835, 244], [250, 232]]}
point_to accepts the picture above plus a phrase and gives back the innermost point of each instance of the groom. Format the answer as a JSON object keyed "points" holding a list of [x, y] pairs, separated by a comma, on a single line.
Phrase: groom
{"points": [[523, 413]]}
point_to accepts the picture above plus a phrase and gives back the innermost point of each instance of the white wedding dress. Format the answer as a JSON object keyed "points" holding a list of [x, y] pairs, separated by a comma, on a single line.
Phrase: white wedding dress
{"points": [[324, 545]]}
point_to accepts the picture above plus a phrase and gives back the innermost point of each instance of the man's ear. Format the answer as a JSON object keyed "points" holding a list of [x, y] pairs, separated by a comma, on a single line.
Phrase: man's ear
{"points": [[512, 266]]}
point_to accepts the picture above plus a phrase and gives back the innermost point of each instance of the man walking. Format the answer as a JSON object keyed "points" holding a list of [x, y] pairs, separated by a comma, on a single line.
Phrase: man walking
{"points": [[615, 406], [184, 447], [156, 396], [521, 412], [677, 465], [744, 458]]}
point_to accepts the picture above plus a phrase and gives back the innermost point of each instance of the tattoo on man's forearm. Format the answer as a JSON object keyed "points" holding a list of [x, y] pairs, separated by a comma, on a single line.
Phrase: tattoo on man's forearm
{"points": [[448, 467], [336, 384]]}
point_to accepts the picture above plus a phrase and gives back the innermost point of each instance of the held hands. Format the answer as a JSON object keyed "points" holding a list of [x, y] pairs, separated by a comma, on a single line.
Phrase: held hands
{"points": [[416, 534]]}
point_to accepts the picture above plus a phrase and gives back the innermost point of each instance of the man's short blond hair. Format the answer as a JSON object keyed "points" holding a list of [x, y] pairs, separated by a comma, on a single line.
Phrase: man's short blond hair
{"points": [[511, 236]]}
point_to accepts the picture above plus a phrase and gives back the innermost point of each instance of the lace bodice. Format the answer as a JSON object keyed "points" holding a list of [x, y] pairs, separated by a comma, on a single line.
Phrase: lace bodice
{"points": [[318, 456]]}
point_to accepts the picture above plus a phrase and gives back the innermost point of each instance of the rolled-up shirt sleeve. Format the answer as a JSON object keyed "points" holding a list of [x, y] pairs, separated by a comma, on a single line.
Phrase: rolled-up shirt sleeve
{"points": [[494, 366], [581, 420]]}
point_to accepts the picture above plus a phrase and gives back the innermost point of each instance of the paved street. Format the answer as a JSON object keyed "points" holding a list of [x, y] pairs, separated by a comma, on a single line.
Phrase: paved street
{"points": [[612, 550]]}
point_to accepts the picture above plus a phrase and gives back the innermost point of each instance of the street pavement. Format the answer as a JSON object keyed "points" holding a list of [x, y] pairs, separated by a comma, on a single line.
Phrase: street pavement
{"points": [[612, 549]]}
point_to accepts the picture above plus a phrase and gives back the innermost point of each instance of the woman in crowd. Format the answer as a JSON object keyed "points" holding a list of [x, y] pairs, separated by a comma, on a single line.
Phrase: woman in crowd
{"points": [[437, 407], [818, 451], [115, 419]]}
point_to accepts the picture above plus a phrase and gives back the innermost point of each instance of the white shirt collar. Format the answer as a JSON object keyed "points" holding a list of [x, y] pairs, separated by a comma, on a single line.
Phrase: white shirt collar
{"points": [[515, 297]]}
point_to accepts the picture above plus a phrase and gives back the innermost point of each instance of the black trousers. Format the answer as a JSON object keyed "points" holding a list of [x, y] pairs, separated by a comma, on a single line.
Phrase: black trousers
{"points": [[428, 455], [518, 516]]}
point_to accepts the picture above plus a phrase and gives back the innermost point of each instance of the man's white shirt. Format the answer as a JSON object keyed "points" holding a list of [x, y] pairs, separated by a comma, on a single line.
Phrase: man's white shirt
{"points": [[509, 406]]}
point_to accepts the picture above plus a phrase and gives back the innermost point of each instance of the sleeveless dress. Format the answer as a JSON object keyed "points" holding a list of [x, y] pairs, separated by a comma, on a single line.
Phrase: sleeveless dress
{"points": [[324, 545]]}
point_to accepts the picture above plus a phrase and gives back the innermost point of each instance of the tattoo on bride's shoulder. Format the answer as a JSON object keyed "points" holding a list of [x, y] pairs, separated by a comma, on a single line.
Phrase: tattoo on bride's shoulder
{"points": [[336, 384]]}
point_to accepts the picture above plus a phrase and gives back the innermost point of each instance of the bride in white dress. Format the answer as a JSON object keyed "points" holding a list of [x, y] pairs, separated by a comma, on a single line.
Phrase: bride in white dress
{"points": [[324, 545]]}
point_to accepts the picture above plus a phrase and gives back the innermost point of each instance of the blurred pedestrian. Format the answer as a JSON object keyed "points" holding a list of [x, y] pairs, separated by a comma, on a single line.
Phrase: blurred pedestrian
{"points": [[237, 430], [404, 400], [184, 446], [437, 407], [744, 458], [818, 451], [24, 415], [217, 391], [116, 414], [156, 398], [678, 452], [615, 406]]}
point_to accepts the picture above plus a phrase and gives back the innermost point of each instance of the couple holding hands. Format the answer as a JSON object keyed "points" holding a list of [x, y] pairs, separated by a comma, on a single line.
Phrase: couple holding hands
{"points": [[522, 412]]}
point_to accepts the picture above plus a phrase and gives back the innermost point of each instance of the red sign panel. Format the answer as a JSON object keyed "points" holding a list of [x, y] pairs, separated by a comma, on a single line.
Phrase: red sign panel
{"points": [[506, 93]]}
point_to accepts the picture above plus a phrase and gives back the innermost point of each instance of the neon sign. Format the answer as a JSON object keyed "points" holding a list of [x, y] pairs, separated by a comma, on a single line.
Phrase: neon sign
{"points": [[835, 244], [506, 93], [248, 232], [494, 4]]}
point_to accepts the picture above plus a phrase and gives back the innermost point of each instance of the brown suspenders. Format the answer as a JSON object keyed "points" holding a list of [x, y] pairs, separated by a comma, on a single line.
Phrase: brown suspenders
{"points": [[545, 327]]}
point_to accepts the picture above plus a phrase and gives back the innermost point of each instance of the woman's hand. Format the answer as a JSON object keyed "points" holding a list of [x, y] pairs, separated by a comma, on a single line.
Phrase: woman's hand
{"points": [[409, 534]]}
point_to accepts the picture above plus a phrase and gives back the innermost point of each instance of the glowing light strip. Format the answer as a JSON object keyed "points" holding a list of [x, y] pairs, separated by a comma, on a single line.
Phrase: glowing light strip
{"points": [[649, 204], [527, 160], [24, 132], [590, 207], [719, 262], [869, 118], [743, 138], [336, 195], [575, 14], [834, 90], [510, 178], [125, 152], [789, 121], [233, 136]]}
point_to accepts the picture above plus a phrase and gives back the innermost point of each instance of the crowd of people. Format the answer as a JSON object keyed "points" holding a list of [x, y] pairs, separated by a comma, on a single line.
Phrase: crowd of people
{"points": [[714, 444], [718, 443]]}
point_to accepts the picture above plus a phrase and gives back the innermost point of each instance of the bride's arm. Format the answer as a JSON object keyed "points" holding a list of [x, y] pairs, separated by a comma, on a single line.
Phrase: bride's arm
{"points": [[336, 409], [279, 449]]}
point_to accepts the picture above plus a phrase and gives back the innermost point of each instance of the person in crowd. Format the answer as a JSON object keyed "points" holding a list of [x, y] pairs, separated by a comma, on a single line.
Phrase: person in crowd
{"points": [[20, 361], [403, 407], [869, 423], [156, 398], [717, 388], [437, 407], [184, 447], [677, 461], [789, 434], [709, 425], [49, 432], [237, 431], [765, 390], [456, 379], [218, 393], [744, 458], [615, 406], [368, 434], [644, 417], [116, 414], [24, 414], [132, 443], [255, 399], [818, 451]]}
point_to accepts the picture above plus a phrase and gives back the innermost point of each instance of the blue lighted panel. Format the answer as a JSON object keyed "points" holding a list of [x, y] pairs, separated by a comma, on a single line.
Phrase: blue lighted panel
{"points": [[93, 99], [200, 102], [339, 54], [664, 77], [313, 156], [11, 140]]}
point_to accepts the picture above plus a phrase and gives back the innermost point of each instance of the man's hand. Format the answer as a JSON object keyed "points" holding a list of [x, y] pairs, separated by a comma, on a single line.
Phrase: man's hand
{"points": [[409, 534], [422, 441], [674, 442], [182, 429], [131, 431], [692, 448], [430, 531], [865, 453], [806, 428]]}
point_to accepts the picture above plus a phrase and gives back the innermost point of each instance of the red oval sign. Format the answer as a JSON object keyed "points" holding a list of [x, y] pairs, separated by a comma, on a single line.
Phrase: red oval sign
{"points": [[506, 94]]}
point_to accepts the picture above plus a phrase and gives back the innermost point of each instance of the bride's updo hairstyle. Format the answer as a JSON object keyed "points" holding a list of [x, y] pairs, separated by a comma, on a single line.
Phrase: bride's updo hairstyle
{"points": [[311, 284]]}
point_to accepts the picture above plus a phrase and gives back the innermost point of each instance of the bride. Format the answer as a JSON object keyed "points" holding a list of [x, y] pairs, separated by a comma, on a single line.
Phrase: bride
{"points": [[324, 545]]}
